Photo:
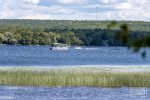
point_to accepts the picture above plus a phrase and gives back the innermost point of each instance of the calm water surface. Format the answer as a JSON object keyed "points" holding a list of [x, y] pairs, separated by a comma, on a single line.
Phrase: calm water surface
{"points": [[73, 93], [42, 56]]}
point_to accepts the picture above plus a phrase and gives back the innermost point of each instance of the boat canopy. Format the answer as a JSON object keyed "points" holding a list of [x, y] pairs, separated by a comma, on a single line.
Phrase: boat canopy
{"points": [[59, 45]]}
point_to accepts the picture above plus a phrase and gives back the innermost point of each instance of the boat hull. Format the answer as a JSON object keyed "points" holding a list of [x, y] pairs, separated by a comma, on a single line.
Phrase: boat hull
{"points": [[59, 48]]}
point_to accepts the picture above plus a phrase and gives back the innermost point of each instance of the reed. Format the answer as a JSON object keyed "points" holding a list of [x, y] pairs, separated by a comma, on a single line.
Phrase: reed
{"points": [[74, 78]]}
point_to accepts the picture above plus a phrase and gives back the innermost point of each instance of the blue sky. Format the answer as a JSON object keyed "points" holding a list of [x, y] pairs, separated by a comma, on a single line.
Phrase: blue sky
{"points": [[75, 9]]}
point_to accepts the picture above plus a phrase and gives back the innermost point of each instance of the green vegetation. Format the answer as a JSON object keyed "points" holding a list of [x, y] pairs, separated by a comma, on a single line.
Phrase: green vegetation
{"points": [[47, 32], [135, 43], [74, 78]]}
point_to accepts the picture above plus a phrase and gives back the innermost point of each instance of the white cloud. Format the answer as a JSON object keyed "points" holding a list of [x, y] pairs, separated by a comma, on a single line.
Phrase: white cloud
{"points": [[31, 1], [37, 16], [110, 1], [72, 1], [125, 6], [76, 9]]}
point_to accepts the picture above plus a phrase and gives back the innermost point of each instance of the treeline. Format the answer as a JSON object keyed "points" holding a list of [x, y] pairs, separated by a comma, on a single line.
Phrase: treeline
{"points": [[42, 38], [46, 32]]}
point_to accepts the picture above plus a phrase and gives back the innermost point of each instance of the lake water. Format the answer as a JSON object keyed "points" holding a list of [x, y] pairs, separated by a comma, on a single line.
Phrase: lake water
{"points": [[73, 93], [98, 56], [42, 56]]}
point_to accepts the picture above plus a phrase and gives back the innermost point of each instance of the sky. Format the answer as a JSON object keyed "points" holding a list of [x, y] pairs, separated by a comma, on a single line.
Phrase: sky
{"points": [[76, 9]]}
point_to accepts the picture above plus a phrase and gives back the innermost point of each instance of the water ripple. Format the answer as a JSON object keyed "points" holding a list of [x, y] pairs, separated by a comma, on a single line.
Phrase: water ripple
{"points": [[73, 93]]}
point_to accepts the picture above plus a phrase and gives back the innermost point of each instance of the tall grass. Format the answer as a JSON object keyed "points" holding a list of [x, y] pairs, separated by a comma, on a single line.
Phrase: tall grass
{"points": [[73, 78]]}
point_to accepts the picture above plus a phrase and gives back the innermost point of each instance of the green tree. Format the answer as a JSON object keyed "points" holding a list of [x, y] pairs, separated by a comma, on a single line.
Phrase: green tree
{"points": [[10, 38], [26, 38], [2, 38]]}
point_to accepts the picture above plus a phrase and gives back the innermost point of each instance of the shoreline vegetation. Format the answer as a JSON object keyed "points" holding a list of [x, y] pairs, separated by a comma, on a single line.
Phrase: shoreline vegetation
{"points": [[76, 33], [86, 77]]}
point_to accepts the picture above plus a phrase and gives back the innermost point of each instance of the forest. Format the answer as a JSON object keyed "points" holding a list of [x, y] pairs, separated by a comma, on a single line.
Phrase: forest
{"points": [[85, 33]]}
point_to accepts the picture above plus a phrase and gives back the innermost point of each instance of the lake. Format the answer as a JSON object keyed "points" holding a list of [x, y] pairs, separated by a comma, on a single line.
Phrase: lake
{"points": [[88, 56], [30, 56], [73, 93]]}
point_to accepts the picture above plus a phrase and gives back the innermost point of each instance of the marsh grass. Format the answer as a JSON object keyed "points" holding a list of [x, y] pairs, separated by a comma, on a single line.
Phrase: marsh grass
{"points": [[73, 78]]}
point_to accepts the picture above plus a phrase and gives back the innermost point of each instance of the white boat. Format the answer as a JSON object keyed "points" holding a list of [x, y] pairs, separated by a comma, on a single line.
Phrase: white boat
{"points": [[78, 48], [59, 46]]}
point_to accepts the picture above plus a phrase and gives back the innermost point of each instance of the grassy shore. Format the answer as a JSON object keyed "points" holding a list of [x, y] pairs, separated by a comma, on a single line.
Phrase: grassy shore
{"points": [[74, 77]]}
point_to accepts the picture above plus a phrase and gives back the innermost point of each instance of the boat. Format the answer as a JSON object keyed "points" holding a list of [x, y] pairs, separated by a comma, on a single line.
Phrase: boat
{"points": [[59, 46], [78, 48]]}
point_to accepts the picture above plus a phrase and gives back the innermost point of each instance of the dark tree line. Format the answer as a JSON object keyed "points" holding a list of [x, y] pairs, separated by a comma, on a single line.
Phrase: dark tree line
{"points": [[88, 33]]}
